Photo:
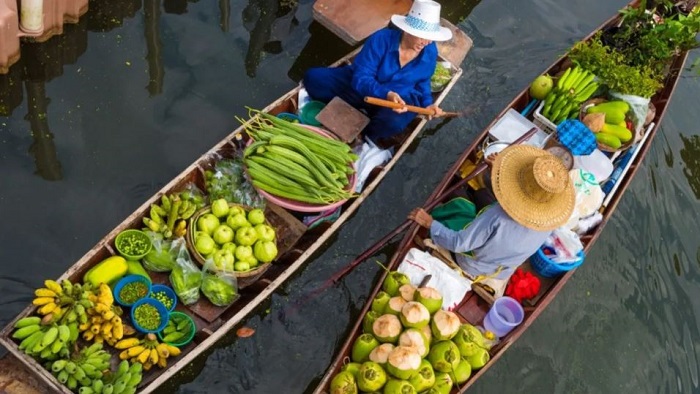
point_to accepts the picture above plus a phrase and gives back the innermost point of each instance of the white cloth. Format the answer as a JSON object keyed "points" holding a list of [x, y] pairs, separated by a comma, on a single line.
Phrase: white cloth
{"points": [[370, 156], [453, 286]]}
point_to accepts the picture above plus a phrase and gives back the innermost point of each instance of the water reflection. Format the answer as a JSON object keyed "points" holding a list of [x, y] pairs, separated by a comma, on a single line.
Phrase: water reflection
{"points": [[268, 22], [105, 15], [176, 6], [156, 70], [225, 14], [690, 154]]}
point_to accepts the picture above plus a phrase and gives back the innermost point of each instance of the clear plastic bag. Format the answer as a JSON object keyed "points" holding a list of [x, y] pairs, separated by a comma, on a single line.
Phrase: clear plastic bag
{"points": [[193, 193], [185, 277], [160, 258], [228, 181], [220, 286], [639, 106]]}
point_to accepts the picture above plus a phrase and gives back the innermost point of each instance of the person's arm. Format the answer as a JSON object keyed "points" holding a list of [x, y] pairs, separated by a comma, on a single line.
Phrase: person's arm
{"points": [[475, 235], [366, 65]]}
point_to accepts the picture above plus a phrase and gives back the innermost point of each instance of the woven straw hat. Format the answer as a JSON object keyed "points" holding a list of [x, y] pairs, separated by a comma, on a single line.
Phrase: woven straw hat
{"points": [[423, 21], [533, 187]]}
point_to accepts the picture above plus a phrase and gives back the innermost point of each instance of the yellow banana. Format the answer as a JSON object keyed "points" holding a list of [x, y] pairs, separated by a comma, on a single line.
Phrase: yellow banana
{"points": [[163, 351], [147, 366], [127, 343], [163, 363], [174, 351], [53, 286], [143, 356], [108, 315], [95, 328], [136, 350], [48, 308], [106, 329], [118, 331], [88, 335], [44, 292], [42, 300], [153, 357], [124, 354]]}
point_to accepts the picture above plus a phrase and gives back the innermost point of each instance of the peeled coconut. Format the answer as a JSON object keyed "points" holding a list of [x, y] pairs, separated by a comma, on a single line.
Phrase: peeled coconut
{"points": [[370, 377], [343, 383], [379, 302], [425, 378], [428, 333], [444, 325], [479, 359], [406, 291], [368, 320], [386, 329], [381, 353], [430, 298], [394, 306], [403, 362], [415, 338], [462, 373], [352, 368], [444, 356], [443, 383], [393, 281], [397, 386], [362, 347], [414, 315]]}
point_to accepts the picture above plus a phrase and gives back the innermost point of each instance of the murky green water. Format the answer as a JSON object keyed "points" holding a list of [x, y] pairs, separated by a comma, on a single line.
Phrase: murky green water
{"points": [[98, 119]]}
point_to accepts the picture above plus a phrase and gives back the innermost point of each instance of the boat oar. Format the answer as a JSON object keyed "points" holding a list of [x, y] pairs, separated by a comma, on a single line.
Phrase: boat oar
{"points": [[379, 244], [410, 108]]}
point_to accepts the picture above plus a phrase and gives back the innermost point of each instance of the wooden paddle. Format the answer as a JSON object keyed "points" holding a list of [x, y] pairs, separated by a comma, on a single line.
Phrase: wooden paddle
{"points": [[379, 244], [410, 108]]}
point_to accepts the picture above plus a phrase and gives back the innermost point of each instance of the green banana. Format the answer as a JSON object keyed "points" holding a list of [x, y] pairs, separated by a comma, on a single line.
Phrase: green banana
{"points": [[586, 92], [582, 75], [50, 336], [56, 346], [189, 212], [97, 385], [62, 376], [79, 374], [560, 82], [159, 210], [29, 342], [154, 215], [27, 321], [25, 332], [58, 366], [123, 368], [575, 72], [584, 83], [165, 203], [72, 383]]}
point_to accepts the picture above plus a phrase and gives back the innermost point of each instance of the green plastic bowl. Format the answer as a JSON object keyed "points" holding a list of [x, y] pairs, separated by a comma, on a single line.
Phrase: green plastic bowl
{"points": [[309, 111], [187, 338], [136, 235]]}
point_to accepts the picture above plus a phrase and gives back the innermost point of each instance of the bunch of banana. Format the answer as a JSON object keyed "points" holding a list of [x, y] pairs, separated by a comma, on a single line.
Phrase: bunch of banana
{"points": [[147, 351], [104, 323], [170, 217], [123, 381], [83, 368], [65, 301], [42, 340], [563, 102]]}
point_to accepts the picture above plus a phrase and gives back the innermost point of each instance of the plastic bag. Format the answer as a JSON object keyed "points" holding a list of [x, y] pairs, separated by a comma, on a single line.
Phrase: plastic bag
{"points": [[228, 181], [589, 196], [193, 193], [159, 259], [565, 244], [185, 277], [220, 286], [639, 106]]}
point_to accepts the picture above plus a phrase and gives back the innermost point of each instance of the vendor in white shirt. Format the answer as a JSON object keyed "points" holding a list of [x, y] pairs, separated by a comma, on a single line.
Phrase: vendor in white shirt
{"points": [[534, 196]]}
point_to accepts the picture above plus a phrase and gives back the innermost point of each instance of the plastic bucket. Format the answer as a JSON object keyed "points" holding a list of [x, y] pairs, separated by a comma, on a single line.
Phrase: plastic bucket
{"points": [[505, 314]]}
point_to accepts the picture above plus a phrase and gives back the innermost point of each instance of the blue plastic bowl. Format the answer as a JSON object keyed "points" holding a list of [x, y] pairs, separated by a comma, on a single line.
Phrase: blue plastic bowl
{"points": [[289, 117], [126, 280], [169, 291], [162, 311]]}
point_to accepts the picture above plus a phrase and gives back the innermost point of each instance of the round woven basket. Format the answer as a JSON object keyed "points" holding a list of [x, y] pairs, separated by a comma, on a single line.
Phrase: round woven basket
{"points": [[603, 147], [245, 278]]}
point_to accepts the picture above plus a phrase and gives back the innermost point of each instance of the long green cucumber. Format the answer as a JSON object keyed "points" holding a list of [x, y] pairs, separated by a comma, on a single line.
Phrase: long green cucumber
{"points": [[308, 198], [317, 169], [276, 167], [299, 129], [259, 171]]}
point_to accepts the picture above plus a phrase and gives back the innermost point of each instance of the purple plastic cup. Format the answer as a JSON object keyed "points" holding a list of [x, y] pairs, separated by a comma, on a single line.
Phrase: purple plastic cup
{"points": [[505, 314]]}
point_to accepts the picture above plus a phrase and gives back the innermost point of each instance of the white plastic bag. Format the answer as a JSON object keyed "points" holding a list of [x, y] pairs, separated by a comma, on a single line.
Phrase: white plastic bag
{"points": [[566, 245], [589, 196]]}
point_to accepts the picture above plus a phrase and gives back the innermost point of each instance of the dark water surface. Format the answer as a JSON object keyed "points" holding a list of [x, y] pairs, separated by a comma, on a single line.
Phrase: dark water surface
{"points": [[135, 92]]}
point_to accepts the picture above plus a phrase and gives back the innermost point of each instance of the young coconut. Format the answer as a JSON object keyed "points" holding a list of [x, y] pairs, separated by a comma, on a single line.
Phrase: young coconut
{"points": [[479, 359], [343, 383], [379, 302], [364, 344], [425, 378], [415, 338], [462, 373], [475, 336], [431, 298], [394, 306], [444, 356], [406, 291], [381, 353], [464, 342], [396, 386], [403, 362], [443, 384], [352, 367], [371, 377], [368, 320], [386, 329], [415, 315], [393, 281], [444, 325], [428, 333]]}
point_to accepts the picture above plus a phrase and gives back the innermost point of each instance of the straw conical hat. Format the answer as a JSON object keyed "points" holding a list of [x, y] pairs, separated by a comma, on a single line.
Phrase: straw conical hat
{"points": [[533, 187]]}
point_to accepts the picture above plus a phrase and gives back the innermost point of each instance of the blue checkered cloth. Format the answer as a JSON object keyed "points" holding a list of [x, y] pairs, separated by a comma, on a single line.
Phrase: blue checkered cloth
{"points": [[576, 137]]}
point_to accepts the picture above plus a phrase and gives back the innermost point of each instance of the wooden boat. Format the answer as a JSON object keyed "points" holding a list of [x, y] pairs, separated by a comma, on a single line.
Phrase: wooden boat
{"points": [[297, 243], [473, 307]]}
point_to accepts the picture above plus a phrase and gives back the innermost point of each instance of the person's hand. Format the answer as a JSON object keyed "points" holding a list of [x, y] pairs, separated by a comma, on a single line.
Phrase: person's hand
{"points": [[394, 97], [421, 217], [437, 111]]}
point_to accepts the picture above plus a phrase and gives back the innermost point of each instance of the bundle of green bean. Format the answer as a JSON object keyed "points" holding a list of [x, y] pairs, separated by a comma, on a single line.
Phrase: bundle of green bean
{"points": [[290, 161]]}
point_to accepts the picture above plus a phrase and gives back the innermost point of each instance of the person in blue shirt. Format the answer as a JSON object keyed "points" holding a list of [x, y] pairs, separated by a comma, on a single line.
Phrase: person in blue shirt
{"points": [[393, 64]]}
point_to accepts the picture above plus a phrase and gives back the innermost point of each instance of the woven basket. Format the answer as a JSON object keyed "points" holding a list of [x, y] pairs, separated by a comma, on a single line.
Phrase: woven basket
{"points": [[244, 278], [603, 147], [550, 269]]}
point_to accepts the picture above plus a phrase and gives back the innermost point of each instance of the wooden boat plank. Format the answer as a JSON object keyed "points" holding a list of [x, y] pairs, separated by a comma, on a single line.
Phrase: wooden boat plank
{"points": [[353, 21]]}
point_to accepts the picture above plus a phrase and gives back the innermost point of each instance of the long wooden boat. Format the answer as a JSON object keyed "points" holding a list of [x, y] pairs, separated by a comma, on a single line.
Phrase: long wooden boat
{"points": [[297, 243], [474, 307]]}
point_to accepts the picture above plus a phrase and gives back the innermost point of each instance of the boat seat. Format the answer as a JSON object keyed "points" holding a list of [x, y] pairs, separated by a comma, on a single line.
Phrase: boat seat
{"points": [[483, 291]]}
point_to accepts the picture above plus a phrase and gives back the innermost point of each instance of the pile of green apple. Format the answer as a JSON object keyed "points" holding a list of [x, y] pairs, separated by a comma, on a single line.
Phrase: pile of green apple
{"points": [[235, 239]]}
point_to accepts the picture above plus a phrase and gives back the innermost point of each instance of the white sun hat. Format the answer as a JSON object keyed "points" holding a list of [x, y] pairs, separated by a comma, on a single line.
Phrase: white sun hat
{"points": [[423, 21]]}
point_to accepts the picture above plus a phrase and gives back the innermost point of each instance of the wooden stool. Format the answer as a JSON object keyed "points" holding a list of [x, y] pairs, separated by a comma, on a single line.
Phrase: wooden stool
{"points": [[342, 119]]}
